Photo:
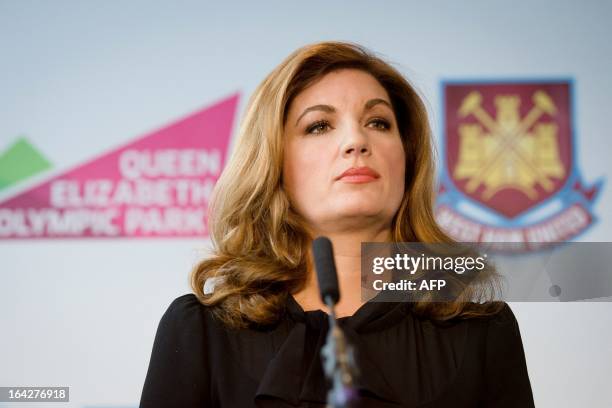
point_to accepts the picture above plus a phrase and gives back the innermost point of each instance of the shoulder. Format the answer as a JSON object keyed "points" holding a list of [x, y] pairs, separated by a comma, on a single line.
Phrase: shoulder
{"points": [[496, 316], [184, 306], [186, 315], [499, 325], [187, 327], [496, 333], [503, 324]]}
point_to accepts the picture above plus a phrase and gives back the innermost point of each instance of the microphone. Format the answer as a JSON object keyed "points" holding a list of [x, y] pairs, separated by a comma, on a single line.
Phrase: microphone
{"points": [[337, 354], [323, 254]]}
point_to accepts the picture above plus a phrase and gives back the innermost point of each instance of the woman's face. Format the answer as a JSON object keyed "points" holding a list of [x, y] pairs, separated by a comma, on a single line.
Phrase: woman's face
{"points": [[344, 162]]}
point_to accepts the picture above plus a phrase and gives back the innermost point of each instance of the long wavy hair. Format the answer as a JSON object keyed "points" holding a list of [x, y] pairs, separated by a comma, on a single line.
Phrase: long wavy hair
{"points": [[261, 245]]}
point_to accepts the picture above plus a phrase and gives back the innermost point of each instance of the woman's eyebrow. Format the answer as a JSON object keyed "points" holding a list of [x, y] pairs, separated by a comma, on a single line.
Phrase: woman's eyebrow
{"points": [[324, 108], [373, 102], [330, 109]]}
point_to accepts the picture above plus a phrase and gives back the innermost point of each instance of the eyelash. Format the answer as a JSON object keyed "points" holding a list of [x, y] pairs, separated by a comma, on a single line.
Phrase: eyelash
{"points": [[318, 124]]}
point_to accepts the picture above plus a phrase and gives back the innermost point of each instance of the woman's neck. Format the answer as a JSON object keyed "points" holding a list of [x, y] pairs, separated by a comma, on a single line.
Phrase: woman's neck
{"points": [[347, 257]]}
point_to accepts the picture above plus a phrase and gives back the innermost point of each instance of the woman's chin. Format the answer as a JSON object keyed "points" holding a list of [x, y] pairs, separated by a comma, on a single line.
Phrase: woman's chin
{"points": [[360, 212]]}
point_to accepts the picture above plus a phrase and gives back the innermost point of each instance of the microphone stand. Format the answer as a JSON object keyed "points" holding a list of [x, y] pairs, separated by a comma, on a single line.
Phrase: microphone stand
{"points": [[338, 363]]}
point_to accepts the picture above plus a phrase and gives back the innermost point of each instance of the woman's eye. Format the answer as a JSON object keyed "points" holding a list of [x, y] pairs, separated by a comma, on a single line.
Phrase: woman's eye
{"points": [[318, 127], [380, 124]]}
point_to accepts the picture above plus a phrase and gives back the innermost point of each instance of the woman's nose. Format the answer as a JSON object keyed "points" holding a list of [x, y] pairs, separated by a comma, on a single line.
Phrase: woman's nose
{"points": [[356, 144]]}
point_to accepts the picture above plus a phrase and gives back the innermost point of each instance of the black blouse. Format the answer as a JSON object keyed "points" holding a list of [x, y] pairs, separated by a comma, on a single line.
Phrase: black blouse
{"points": [[404, 361]]}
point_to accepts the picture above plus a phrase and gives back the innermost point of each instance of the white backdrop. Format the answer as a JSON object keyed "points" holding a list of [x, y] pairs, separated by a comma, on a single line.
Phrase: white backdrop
{"points": [[80, 78]]}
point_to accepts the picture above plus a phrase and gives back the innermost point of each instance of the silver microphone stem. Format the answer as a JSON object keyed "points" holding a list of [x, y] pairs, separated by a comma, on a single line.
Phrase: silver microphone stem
{"points": [[338, 363]]}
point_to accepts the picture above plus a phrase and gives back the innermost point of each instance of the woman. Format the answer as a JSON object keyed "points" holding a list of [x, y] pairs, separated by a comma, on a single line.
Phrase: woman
{"points": [[335, 142]]}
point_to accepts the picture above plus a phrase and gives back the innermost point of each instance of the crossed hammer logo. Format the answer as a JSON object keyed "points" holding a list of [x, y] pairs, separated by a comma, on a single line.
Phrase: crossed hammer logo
{"points": [[509, 132]]}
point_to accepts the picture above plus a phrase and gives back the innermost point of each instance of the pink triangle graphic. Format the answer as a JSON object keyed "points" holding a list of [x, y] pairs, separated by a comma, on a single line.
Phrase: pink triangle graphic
{"points": [[158, 185]]}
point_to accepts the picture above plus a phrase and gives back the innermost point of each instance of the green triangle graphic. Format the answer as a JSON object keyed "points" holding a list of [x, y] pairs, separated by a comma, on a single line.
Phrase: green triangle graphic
{"points": [[19, 162]]}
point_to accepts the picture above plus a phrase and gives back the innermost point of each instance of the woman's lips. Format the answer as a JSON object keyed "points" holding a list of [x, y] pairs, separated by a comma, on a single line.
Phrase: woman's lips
{"points": [[359, 175]]}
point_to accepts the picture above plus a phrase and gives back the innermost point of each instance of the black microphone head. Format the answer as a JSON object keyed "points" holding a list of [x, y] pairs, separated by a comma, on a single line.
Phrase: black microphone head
{"points": [[323, 254]]}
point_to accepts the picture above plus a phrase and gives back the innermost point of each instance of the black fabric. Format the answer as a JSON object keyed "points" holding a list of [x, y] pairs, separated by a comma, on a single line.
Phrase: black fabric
{"points": [[404, 361]]}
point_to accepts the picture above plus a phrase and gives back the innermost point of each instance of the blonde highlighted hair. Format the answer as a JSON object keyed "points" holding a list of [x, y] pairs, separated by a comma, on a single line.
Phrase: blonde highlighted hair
{"points": [[260, 243]]}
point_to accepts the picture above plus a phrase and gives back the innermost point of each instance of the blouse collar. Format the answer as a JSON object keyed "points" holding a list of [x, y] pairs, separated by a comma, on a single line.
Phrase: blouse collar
{"points": [[293, 376], [376, 314]]}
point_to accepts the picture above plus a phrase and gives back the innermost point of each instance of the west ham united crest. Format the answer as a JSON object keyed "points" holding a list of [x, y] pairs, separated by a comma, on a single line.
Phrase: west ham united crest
{"points": [[510, 172]]}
